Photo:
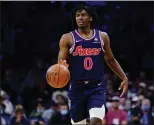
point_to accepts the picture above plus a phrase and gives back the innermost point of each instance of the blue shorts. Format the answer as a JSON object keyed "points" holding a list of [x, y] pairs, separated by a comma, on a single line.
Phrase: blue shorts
{"points": [[83, 97]]}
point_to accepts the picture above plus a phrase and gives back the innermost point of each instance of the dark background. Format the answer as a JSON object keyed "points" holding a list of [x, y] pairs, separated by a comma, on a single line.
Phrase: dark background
{"points": [[30, 34], [34, 29]]}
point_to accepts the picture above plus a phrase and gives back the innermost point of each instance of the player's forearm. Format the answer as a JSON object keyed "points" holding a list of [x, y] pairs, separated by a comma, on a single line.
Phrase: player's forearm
{"points": [[114, 65], [62, 59], [62, 56]]}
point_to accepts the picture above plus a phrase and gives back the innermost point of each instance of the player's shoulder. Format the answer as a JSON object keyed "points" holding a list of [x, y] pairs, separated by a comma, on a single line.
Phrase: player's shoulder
{"points": [[105, 37], [103, 34], [66, 35], [66, 38]]}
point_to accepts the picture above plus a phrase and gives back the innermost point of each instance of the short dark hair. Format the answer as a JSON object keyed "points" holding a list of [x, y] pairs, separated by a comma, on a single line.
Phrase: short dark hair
{"points": [[91, 12]]}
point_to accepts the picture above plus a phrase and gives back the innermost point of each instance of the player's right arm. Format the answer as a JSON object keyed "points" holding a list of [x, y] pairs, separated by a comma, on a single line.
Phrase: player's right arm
{"points": [[64, 45]]}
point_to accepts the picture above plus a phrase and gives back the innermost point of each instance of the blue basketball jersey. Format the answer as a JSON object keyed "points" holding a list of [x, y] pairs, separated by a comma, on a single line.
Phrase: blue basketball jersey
{"points": [[87, 57]]}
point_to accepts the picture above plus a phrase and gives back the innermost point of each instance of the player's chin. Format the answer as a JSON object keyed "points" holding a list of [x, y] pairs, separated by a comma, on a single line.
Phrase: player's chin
{"points": [[81, 26]]}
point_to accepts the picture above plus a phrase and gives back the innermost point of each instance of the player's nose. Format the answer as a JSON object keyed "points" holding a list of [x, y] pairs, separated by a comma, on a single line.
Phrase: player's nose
{"points": [[80, 17]]}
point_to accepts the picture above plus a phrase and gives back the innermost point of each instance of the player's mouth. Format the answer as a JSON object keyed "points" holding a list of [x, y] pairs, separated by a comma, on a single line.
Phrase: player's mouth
{"points": [[80, 22]]}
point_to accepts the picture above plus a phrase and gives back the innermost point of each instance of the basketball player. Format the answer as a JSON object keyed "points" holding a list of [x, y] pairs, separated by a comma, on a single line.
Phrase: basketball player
{"points": [[86, 48]]}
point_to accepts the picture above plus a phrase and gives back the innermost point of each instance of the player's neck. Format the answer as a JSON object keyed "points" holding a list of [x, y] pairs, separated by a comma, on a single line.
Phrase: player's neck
{"points": [[84, 31]]}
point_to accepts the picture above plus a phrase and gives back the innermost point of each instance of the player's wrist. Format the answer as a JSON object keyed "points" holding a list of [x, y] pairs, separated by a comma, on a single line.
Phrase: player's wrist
{"points": [[63, 62], [125, 79]]}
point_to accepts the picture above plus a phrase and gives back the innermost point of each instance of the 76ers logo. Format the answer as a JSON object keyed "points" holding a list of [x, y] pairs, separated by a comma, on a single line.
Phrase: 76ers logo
{"points": [[86, 51], [88, 62]]}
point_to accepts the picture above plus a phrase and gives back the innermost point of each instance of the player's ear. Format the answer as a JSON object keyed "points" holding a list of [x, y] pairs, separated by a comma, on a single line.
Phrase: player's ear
{"points": [[91, 19]]}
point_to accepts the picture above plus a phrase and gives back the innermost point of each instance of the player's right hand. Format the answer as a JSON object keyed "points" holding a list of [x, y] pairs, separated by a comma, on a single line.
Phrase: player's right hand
{"points": [[63, 62]]}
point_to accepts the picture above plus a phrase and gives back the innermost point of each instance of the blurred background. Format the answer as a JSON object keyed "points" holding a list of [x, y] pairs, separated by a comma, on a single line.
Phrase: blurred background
{"points": [[30, 34]]}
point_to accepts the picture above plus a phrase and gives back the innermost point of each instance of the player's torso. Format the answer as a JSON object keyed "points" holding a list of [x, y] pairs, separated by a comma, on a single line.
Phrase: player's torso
{"points": [[87, 57]]}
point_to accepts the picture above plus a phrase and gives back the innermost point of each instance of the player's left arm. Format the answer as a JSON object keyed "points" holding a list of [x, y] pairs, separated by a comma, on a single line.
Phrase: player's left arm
{"points": [[113, 63]]}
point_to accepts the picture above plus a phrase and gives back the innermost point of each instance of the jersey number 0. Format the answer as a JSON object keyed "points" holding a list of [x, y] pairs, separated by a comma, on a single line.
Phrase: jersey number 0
{"points": [[88, 63]]}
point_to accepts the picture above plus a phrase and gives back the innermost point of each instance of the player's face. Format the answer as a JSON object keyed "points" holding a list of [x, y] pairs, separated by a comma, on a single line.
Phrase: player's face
{"points": [[82, 19]]}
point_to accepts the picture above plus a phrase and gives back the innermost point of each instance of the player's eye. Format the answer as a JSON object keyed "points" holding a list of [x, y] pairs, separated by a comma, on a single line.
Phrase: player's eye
{"points": [[83, 14], [77, 15]]}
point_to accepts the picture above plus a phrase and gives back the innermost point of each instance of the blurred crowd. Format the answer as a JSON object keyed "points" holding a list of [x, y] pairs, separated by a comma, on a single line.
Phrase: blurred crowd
{"points": [[30, 36]]}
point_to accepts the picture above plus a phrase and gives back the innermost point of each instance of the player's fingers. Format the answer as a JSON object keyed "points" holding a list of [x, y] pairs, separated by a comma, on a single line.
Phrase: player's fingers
{"points": [[124, 91], [66, 65], [122, 94], [63, 62], [59, 61], [121, 86]]}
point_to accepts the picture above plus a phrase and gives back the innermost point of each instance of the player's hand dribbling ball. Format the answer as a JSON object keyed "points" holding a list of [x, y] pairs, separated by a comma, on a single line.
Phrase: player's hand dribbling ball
{"points": [[58, 76], [63, 62]]}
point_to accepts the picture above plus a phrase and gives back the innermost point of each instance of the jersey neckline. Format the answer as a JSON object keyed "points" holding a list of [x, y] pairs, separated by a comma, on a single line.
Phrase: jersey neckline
{"points": [[94, 32]]}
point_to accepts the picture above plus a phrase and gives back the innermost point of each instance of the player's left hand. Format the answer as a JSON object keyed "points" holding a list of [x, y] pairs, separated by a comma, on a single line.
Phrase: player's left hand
{"points": [[124, 87]]}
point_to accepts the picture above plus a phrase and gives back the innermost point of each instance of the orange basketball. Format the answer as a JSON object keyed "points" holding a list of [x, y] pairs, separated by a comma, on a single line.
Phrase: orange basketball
{"points": [[58, 76]]}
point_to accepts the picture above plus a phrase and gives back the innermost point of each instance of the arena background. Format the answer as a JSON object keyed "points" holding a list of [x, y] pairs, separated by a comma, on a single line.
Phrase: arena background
{"points": [[30, 34]]}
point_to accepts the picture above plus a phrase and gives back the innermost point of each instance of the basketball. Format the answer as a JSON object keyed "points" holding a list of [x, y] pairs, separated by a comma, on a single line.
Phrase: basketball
{"points": [[58, 76]]}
